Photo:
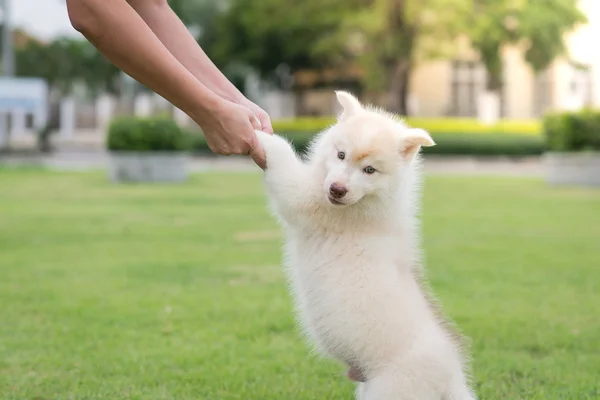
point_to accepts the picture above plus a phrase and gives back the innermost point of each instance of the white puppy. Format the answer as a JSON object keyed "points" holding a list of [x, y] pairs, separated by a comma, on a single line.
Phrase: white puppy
{"points": [[349, 215]]}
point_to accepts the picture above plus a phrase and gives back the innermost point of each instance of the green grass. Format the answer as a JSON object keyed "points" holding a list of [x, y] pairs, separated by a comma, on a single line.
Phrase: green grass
{"points": [[174, 292]]}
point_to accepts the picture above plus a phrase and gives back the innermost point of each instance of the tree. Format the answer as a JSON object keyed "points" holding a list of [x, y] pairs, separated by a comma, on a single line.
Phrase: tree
{"points": [[540, 26], [389, 37], [386, 37], [199, 15], [265, 34], [544, 24], [64, 62]]}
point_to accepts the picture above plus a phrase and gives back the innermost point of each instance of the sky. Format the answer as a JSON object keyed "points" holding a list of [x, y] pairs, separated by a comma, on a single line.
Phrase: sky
{"points": [[44, 19]]}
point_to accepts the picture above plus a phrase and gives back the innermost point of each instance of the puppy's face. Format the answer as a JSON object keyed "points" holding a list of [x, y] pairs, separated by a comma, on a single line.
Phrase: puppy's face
{"points": [[364, 152]]}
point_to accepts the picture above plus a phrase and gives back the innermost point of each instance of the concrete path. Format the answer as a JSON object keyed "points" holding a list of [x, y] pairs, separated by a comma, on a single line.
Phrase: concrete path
{"points": [[82, 160]]}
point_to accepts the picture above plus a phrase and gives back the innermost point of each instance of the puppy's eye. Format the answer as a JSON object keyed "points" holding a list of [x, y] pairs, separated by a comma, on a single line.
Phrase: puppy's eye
{"points": [[369, 170], [341, 155]]}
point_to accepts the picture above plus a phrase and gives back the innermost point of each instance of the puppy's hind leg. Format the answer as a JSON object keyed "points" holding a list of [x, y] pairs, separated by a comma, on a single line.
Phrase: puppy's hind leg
{"points": [[391, 385], [359, 393], [460, 392]]}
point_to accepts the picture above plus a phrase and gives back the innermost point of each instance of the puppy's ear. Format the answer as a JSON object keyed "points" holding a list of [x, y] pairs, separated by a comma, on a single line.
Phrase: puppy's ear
{"points": [[350, 104], [412, 141]]}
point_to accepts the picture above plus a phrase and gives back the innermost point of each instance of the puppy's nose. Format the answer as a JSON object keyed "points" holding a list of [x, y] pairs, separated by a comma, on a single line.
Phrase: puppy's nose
{"points": [[338, 191]]}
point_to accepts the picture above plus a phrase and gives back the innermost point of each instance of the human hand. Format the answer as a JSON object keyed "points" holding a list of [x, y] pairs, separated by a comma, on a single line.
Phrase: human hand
{"points": [[229, 129], [263, 117]]}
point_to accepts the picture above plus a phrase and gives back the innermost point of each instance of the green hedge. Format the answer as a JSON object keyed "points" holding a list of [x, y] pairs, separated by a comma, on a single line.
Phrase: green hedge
{"points": [[147, 135], [453, 136], [447, 144], [573, 131], [432, 125], [494, 144]]}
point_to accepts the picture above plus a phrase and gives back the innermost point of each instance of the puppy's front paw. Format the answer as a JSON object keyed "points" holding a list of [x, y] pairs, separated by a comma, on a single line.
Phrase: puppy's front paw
{"points": [[263, 137], [277, 149]]}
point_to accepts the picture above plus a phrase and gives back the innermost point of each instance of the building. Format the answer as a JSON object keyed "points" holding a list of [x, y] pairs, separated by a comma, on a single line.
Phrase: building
{"points": [[451, 88]]}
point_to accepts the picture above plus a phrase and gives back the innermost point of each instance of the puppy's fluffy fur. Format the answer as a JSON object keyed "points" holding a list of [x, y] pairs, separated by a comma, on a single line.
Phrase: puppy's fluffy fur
{"points": [[349, 215]]}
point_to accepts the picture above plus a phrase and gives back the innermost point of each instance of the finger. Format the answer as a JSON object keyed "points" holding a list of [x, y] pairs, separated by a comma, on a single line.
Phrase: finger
{"points": [[265, 122], [258, 153], [255, 123], [259, 157]]}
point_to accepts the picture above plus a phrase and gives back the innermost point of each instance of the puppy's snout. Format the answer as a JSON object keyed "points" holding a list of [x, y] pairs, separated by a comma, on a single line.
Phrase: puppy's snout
{"points": [[338, 191]]}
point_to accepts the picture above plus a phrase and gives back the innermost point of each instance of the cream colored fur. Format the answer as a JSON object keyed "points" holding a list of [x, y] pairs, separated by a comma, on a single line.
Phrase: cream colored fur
{"points": [[354, 266]]}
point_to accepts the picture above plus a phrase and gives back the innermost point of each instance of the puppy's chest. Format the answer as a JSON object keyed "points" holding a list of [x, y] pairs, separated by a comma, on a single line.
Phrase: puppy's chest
{"points": [[342, 269], [342, 284]]}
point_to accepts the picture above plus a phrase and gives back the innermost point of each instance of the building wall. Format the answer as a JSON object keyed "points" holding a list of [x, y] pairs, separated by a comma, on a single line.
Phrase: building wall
{"points": [[519, 86], [582, 45], [523, 95], [434, 93], [430, 87]]}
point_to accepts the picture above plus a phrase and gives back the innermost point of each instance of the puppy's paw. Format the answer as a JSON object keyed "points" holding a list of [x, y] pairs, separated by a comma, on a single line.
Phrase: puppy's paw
{"points": [[277, 149], [263, 137]]}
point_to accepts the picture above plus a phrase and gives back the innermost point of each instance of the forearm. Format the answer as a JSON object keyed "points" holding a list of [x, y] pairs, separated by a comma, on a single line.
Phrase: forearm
{"points": [[121, 35], [177, 39]]}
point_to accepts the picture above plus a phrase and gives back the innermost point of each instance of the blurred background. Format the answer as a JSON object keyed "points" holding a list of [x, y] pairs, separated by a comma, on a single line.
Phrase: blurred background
{"points": [[445, 61], [136, 264]]}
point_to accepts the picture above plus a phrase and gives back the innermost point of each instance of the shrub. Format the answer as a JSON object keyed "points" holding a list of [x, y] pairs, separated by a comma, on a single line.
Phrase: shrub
{"points": [[458, 136], [494, 144], [572, 131], [432, 125], [453, 136], [312, 125], [146, 135], [447, 144]]}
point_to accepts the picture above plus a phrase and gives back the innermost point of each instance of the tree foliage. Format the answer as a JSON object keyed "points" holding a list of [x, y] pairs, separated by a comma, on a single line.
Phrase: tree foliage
{"points": [[386, 37], [64, 62], [265, 34], [544, 24], [540, 26], [199, 15], [389, 37]]}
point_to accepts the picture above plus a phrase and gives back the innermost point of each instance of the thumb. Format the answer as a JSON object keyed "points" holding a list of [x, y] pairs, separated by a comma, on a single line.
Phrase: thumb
{"points": [[258, 153], [265, 122]]}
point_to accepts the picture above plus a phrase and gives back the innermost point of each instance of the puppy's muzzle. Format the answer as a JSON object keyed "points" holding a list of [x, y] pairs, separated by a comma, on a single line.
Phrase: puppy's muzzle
{"points": [[337, 191]]}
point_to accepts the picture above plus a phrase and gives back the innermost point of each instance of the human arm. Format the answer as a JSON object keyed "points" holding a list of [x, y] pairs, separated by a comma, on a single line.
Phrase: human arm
{"points": [[174, 35], [122, 36]]}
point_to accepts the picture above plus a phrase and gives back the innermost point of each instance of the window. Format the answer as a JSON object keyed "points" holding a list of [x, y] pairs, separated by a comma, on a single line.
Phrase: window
{"points": [[469, 80], [581, 84]]}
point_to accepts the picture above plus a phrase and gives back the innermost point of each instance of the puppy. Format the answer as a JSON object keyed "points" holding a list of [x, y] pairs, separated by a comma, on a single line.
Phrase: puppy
{"points": [[348, 210]]}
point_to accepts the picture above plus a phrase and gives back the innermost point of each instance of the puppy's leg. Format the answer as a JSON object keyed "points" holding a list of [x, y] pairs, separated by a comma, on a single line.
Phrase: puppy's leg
{"points": [[398, 385], [286, 176], [280, 153], [359, 393], [460, 391]]}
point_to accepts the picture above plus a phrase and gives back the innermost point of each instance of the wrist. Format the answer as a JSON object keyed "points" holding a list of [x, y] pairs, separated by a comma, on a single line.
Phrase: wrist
{"points": [[205, 103], [230, 93]]}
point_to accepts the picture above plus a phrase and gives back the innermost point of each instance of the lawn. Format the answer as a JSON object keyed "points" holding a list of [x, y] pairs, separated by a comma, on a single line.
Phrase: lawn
{"points": [[175, 292]]}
